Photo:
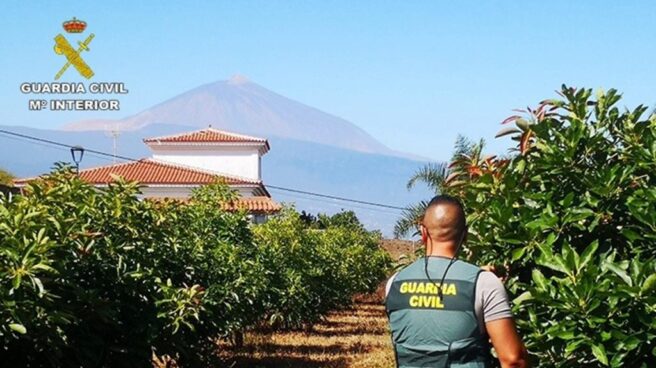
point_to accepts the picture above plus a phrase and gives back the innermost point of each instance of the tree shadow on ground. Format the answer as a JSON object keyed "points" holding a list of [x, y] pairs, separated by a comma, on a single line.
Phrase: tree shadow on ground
{"points": [[343, 338], [274, 354], [305, 350], [354, 330], [289, 362]]}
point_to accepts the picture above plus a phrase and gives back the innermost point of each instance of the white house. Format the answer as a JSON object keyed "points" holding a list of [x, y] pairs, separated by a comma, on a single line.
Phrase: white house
{"points": [[214, 150], [185, 161]]}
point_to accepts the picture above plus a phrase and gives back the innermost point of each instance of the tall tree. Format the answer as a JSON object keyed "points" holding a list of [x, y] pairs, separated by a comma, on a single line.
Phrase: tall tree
{"points": [[572, 214], [467, 161]]}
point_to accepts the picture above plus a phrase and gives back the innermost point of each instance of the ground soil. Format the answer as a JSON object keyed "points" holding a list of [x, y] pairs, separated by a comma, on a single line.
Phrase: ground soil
{"points": [[353, 338], [398, 248]]}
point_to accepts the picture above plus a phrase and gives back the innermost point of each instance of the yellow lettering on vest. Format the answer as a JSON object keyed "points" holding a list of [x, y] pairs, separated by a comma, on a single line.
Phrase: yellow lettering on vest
{"points": [[437, 302], [427, 288], [450, 289], [425, 301]]}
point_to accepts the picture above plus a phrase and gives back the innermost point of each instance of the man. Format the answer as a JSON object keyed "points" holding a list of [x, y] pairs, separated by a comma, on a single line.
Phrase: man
{"points": [[443, 311]]}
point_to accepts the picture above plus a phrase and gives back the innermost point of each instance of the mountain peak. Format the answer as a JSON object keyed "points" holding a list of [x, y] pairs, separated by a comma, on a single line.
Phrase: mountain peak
{"points": [[238, 79], [241, 106]]}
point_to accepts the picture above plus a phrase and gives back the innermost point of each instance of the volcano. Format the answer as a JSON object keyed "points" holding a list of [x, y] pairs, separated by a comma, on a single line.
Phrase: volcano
{"points": [[240, 105]]}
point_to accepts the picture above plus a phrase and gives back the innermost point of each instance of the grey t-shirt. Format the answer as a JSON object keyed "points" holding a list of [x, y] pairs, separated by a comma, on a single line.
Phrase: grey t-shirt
{"points": [[491, 301]]}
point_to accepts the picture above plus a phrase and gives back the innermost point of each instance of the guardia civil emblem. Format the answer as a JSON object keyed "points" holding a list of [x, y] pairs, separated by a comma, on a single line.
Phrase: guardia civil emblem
{"points": [[73, 56]]}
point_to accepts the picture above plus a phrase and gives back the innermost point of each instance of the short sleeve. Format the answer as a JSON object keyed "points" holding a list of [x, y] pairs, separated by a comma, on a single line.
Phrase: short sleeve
{"points": [[492, 298], [388, 286]]}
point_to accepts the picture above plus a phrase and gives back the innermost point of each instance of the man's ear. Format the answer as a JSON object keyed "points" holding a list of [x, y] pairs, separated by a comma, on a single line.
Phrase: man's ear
{"points": [[424, 233]]}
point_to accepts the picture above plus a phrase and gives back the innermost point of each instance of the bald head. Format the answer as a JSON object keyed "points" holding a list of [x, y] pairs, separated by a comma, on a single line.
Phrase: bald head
{"points": [[444, 219]]}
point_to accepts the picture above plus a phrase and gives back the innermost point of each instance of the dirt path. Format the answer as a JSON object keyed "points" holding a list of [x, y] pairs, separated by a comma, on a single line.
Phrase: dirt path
{"points": [[355, 338]]}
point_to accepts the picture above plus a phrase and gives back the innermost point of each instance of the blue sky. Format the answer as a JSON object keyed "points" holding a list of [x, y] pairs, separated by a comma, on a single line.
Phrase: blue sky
{"points": [[413, 74]]}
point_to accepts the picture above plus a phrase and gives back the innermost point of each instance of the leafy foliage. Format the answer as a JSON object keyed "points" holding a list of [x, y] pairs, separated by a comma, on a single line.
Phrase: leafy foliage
{"points": [[573, 215], [467, 162], [410, 220], [323, 268], [97, 278], [432, 175], [6, 177], [344, 219]]}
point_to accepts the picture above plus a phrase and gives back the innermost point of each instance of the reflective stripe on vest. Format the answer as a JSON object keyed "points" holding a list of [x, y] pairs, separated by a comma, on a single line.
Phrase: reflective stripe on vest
{"points": [[429, 330]]}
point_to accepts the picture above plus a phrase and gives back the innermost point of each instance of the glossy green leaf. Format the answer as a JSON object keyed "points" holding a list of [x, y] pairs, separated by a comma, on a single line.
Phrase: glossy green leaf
{"points": [[619, 272], [600, 353], [525, 296], [565, 334], [539, 279], [588, 254], [17, 327], [649, 285], [518, 253]]}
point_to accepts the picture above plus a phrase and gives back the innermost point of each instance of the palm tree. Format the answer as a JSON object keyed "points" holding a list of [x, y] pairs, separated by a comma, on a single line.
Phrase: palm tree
{"points": [[410, 219], [467, 162], [432, 174]]}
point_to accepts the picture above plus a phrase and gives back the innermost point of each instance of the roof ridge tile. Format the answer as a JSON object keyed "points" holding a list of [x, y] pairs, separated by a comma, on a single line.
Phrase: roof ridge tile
{"points": [[196, 136]]}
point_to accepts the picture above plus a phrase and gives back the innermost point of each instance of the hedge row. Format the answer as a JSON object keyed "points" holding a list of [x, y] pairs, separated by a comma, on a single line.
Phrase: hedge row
{"points": [[101, 278]]}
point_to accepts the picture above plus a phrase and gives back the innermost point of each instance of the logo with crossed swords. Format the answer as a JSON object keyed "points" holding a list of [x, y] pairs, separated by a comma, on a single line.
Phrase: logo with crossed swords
{"points": [[73, 56]]}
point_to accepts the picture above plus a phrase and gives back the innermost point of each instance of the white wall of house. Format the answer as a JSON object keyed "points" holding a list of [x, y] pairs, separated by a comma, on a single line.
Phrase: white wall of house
{"points": [[258, 218], [242, 161]]}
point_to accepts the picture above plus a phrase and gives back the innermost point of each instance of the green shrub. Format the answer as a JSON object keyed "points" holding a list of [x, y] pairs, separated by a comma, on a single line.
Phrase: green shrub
{"points": [[594, 310], [321, 269], [573, 215], [99, 278]]}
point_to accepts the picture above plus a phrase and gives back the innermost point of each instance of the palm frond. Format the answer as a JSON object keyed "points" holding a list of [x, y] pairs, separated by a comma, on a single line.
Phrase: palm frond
{"points": [[410, 220], [466, 146], [433, 175], [442, 177], [463, 146]]}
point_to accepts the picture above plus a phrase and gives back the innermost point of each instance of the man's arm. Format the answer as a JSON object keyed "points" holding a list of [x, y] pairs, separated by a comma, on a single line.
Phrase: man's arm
{"points": [[507, 344], [493, 305]]}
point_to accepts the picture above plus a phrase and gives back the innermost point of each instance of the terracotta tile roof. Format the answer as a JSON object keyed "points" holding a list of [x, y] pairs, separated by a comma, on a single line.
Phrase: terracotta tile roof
{"points": [[208, 135], [153, 172], [258, 205], [149, 171], [254, 204]]}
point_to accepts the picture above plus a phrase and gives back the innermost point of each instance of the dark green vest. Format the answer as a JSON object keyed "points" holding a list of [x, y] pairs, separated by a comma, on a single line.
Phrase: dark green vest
{"points": [[429, 331]]}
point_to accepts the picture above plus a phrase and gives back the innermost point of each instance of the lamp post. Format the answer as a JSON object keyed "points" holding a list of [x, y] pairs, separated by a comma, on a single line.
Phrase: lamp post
{"points": [[77, 152]]}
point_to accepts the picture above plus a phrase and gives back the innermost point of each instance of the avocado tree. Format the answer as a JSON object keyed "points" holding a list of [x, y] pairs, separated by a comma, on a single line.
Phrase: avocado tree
{"points": [[572, 214], [95, 277]]}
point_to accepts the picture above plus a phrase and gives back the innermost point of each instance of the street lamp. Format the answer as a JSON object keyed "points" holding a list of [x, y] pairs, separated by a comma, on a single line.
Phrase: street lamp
{"points": [[77, 152]]}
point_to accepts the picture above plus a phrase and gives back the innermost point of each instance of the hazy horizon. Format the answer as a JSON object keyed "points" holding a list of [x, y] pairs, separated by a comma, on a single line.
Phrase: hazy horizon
{"points": [[412, 75]]}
